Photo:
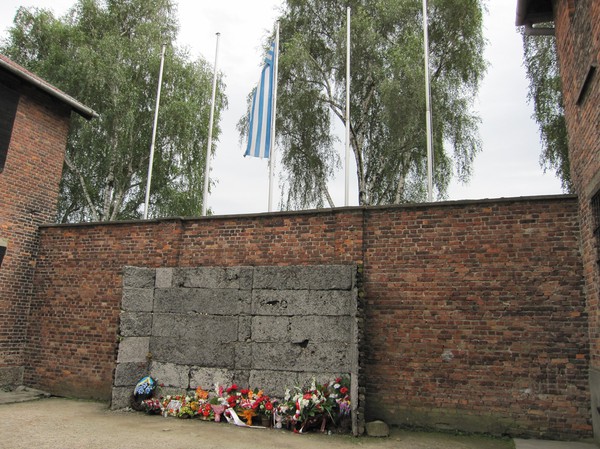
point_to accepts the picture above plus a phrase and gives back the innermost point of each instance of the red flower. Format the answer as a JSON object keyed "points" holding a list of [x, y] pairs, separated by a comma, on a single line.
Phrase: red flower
{"points": [[269, 406], [245, 391], [307, 396], [343, 390], [338, 380]]}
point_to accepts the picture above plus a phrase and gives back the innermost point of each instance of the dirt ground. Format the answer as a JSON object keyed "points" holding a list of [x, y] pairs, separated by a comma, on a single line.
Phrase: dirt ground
{"points": [[57, 423]]}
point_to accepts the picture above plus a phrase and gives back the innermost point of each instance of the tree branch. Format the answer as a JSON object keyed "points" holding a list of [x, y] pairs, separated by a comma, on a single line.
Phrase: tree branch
{"points": [[83, 185]]}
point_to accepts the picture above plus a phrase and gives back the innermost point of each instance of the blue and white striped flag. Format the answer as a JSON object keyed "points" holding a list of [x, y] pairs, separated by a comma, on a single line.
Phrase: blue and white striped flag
{"points": [[261, 116]]}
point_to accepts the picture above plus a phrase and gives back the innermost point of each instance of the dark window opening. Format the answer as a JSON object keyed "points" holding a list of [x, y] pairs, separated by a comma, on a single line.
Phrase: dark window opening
{"points": [[9, 100]]}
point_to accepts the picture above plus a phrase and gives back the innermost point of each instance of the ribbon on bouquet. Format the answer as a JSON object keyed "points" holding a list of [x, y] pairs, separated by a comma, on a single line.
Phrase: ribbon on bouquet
{"points": [[232, 418]]}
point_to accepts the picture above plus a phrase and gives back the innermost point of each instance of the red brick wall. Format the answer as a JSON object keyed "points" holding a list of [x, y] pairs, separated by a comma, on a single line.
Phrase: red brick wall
{"points": [[578, 42], [577, 36], [475, 318], [29, 191], [474, 309]]}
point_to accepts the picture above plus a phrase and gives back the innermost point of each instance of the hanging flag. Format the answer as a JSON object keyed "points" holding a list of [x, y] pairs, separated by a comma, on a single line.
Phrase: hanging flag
{"points": [[261, 115]]}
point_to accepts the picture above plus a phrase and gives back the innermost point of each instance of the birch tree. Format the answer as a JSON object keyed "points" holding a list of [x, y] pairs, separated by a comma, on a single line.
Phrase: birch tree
{"points": [[545, 93], [106, 53], [387, 98]]}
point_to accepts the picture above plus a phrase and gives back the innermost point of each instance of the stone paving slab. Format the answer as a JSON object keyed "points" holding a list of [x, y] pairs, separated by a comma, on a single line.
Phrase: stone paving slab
{"points": [[545, 444], [21, 394]]}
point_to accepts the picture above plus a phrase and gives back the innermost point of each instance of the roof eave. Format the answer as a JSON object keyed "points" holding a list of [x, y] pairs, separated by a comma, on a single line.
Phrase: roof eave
{"points": [[78, 107], [527, 17]]}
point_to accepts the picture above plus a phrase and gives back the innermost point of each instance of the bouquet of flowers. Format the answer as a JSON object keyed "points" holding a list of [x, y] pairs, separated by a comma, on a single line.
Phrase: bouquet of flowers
{"points": [[152, 406]]}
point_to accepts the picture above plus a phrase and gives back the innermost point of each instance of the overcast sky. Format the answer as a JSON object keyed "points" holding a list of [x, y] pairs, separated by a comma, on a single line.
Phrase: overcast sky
{"points": [[508, 165]]}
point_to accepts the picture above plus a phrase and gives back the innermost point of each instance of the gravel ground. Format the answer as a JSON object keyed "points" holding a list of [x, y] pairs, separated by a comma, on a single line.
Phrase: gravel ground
{"points": [[57, 423]]}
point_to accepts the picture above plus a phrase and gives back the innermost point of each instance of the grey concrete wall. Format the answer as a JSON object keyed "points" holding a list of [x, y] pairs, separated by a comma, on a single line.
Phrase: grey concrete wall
{"points": [[266, 327]]}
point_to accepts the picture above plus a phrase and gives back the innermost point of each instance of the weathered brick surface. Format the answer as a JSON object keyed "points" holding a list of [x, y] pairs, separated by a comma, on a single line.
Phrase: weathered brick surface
{"points": [[577, 26], [477, 310], [28, 196], [474, 311]]}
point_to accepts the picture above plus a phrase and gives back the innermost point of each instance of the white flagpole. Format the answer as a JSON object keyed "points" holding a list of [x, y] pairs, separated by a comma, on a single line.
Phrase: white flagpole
{"points": [[210, 128], [428, 118], [347, 169], [149, 181], [273, 139]]}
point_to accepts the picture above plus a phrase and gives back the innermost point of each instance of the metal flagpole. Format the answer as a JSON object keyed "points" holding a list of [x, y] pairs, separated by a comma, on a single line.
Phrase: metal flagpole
{"points": [[149, 181], [274, 111], [347, 174], [210, 128], [428, 119]]}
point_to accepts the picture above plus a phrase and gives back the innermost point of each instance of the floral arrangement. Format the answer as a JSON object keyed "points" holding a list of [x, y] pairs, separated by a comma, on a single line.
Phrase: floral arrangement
{"points": [[319, 406]]}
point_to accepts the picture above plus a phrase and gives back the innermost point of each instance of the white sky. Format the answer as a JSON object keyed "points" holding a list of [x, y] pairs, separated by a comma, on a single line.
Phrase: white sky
{"points": [[507, 166]]}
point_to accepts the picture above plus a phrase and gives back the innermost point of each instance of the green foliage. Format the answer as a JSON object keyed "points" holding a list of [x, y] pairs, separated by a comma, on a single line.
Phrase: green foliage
{"points": [[388, 136], [107, 55], [545, 92]]}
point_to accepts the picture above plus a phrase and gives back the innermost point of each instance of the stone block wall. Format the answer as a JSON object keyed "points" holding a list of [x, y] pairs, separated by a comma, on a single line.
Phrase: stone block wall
{"points": [[263, 327]]}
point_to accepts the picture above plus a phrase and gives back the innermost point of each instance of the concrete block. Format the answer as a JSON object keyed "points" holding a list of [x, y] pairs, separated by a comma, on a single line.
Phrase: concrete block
{"points": [[138, 277], [137, 299], [164, 278], [213, 277], [278, 302], [324, 357], [243, 355], [320, 277], [212, 301], [269, 355], [210, 328], [330, 302], [171, 374], [377, 429], [244, 328], [207, 378], [241, 378], [320, 328], [274, 383], [270, 328], [302, 302], [133, 349], [170, 391], [135, 324], [121, 397], [11, 376], [594, 386], [192, 352], [130, 373]]}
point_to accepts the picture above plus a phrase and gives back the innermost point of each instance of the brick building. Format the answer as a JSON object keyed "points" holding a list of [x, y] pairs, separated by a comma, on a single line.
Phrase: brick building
{"points": [[577, 31], [34, 124]]}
